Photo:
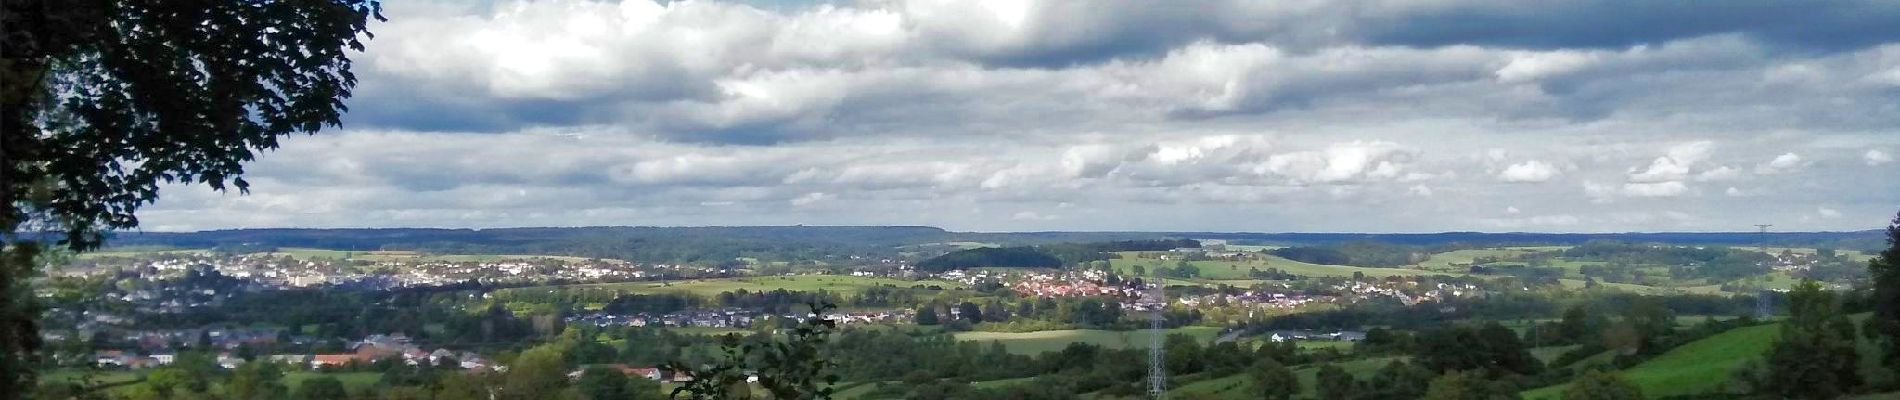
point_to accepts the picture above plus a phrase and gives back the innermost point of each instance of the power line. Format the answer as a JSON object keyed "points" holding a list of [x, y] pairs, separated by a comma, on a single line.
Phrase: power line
{"points": [[1157, 356], [1761, 239]]}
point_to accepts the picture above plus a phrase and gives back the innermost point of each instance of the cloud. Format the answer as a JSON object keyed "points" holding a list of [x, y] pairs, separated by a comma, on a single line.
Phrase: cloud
{"points": [[1217, 115], [1783, 163], [1876, 157], [1828, 212], [1528, 171], [1673, 166]]}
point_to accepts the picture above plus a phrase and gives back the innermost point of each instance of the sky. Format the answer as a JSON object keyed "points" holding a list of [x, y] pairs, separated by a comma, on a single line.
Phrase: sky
{"points": [[1016, 115]]}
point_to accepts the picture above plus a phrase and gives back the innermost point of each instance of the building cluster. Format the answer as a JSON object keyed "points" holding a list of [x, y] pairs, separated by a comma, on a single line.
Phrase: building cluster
{"points": [[1407, 292], [1310, 335], [729, 318], [274, 271], [1070, 284], [1264, 299], [372, 349]]}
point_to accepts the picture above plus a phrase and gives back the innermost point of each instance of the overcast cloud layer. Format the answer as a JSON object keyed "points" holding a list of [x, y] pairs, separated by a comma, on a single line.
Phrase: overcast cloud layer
{"points": [[1331, 115]]}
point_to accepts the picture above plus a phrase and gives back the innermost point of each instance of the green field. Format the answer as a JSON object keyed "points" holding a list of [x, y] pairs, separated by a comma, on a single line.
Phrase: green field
{"points": [[805, 283], [1236, 386], [1043, 341], [1702, 366], [1458, 260], [292, 379], [351, 380]]}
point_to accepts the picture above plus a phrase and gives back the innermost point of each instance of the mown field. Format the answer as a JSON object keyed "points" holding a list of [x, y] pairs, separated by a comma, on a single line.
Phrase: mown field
{"points": [[1043, 341]]}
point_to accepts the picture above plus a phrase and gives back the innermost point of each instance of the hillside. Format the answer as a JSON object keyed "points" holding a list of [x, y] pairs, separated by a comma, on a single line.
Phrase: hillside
{"points": [[1702, 366]]}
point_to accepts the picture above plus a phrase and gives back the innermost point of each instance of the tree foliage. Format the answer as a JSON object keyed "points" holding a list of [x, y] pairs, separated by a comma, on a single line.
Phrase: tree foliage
{"points": [[1462, 385], [789, 369], [321, 388], [1272, 380], [1008, 257], [1815, 357], [1334, 383], [1885, 269], [1599, 385], [103, 101]]}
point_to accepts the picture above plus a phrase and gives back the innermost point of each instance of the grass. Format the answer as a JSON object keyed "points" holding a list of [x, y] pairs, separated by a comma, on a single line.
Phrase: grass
{"points": [[852, 390], [1702, 366], [1044, 341], [1548, 353], [799, 283], [1001, 383], [1237, 387], [101, 377], [352, 380], [1458, 260]]}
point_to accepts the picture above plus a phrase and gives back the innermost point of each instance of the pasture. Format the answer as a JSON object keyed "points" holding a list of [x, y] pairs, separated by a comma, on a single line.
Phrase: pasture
{"points": [[1702, 366]]}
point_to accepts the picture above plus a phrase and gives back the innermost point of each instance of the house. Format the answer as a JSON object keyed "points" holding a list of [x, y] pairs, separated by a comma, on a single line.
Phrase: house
{"points": [[1349, 336], [649, 373], [110, 357], [142, 362], [227, 361], [1285, 335], [331, 360], [439, 355]]}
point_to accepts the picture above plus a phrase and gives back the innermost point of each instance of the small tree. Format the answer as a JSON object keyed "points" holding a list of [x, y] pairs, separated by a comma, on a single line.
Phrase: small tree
{"points": [[321, 388], [927, 316], [602, 383], [1333, 383], [1815, 356], [1272, 380], [1461, 385], [1599, 385], [257, 381], [1399, 380]]}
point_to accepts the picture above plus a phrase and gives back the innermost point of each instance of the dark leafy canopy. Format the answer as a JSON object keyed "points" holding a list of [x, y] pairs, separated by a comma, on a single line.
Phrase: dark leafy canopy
{"points": [[105, 100], [1013, 257], [1599, 385], [1815, 357], [1886, 273]]}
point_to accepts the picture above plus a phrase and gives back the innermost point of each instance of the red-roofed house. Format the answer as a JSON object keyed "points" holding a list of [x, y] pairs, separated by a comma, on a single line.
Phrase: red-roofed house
{"points": [[331, 360]]}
